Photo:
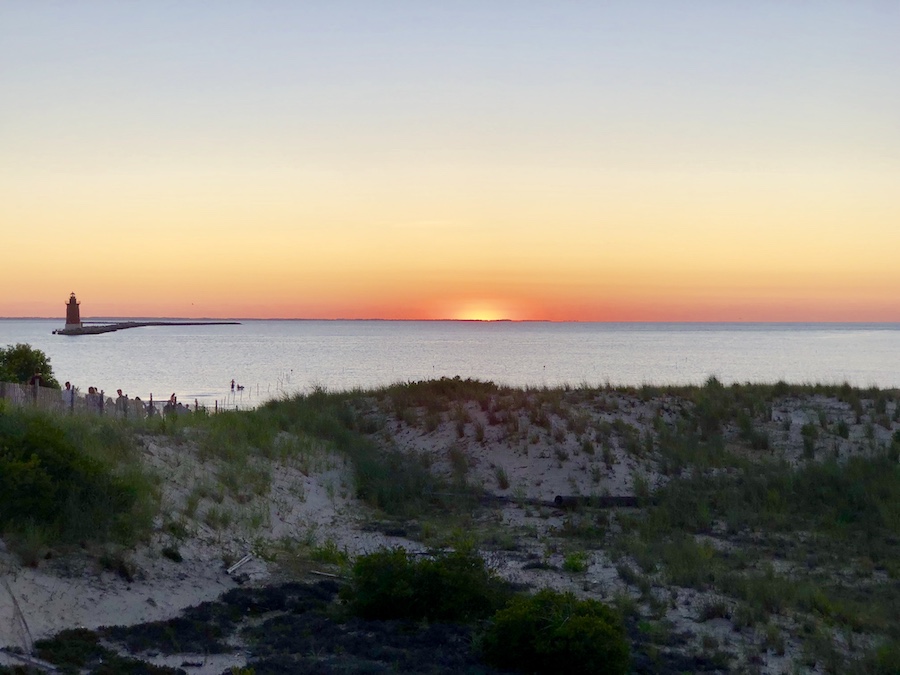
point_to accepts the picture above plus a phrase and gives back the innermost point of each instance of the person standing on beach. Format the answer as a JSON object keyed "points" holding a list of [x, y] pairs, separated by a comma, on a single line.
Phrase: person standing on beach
{"points": [[92, 400], [139, 410], [121, 404], [170, 407], [68, 395]]}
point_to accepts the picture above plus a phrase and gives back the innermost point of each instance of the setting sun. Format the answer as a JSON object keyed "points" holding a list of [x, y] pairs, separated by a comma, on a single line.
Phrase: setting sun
{"points": [[481, 312]]}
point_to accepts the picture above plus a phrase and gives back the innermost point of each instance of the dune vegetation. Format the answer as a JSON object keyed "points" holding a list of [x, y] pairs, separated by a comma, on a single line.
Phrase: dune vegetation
{"points": [[757, 527]]}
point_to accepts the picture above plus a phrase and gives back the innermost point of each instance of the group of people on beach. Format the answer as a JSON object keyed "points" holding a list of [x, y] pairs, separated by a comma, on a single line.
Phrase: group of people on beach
{"points": [[176, 407], [96, 401]]}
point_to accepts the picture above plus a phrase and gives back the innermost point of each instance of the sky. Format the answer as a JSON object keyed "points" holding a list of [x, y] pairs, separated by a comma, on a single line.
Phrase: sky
{"points": [[592, 161]]}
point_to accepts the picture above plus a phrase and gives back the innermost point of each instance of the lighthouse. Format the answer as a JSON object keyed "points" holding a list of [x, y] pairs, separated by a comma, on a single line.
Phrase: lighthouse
{"points": [[73, 315]]}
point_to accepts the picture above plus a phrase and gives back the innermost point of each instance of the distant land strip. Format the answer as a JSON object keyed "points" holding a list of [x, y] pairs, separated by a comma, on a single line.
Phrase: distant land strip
{"points": [[122, 325]]}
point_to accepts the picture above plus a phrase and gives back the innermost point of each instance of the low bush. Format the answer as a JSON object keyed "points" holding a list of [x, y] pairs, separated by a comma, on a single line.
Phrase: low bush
{"points": [[553, 632], [576, 562], [758, 440], [50, 484], [882, 659], [391, 584]]}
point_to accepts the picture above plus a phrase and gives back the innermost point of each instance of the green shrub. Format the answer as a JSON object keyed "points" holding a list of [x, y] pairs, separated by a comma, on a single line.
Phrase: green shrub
{"points": [[75, 648], [458, 587], [48, 483], [688, 563], [553, 632], [330, 553], [80, 650], [711, 409], [884, 658], [382, 585], [19, 362], [576, 562], [391, 584], [758, 440]]}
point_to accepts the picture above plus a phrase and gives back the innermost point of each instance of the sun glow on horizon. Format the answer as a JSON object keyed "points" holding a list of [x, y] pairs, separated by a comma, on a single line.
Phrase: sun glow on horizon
{"points": [[482, 311]]}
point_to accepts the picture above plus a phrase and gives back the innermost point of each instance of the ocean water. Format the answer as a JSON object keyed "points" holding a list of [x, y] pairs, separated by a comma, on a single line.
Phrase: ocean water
{"points": [[275, 358]]}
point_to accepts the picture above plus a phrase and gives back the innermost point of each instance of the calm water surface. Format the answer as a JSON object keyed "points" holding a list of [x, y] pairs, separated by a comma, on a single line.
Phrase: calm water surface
{"points": [[272, 358]]}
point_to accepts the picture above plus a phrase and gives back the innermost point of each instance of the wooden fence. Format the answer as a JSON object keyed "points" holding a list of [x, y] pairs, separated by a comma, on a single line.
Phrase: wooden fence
{"points": [[74, 401]]}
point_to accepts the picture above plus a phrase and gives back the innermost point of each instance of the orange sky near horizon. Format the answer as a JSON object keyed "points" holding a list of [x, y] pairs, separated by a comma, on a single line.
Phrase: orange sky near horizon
{"points": [[581, 163], [776, 249]]}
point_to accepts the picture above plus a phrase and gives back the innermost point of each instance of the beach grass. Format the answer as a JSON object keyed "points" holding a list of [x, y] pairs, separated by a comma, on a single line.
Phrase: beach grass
{"points": [[776, 503]]}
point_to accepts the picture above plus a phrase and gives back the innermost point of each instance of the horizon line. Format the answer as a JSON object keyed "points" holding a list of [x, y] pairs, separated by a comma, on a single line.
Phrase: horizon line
{"points": [[444, 320]]}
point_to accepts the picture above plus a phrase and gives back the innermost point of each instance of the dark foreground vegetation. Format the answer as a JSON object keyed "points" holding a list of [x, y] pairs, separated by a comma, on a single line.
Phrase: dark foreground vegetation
{"points": [[304, 628], [776, 509]]}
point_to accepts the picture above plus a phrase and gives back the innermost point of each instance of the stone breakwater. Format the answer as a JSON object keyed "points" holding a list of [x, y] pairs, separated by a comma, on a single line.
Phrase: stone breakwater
{"points": [[122, 325]]}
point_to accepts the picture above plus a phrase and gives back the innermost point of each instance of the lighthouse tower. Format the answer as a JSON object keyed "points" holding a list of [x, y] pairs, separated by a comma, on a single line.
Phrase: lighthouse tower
{"points": [[73, 315]]}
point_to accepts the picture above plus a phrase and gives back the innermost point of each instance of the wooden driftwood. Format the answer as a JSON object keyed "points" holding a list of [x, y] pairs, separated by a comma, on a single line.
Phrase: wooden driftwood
{"points": [[30, 661], [599, 502], [247, 558], [565, 501]]}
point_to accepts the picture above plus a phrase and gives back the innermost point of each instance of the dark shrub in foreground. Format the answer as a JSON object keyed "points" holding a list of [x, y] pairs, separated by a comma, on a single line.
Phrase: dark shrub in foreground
{"points": [[46, 482], [79, 650], [391, 584], [553, 632]]}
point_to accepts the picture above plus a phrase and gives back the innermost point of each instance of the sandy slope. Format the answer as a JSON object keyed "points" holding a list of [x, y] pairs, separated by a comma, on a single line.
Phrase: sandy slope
{"points": [[77, 589]]}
